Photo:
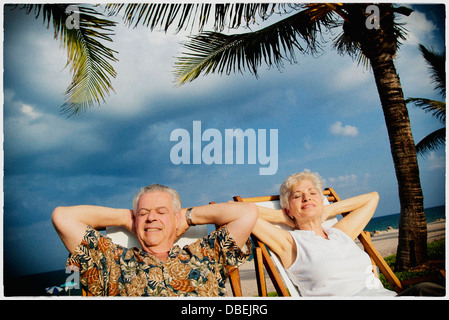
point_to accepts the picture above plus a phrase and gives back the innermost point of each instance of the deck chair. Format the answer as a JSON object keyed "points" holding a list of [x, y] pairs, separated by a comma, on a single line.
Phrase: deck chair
{"points": [[127, 239], [234, 277], [282, 283]]}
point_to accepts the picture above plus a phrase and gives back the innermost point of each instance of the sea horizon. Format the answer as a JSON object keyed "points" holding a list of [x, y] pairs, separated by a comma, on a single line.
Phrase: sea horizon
{"points": [[382, 223]]}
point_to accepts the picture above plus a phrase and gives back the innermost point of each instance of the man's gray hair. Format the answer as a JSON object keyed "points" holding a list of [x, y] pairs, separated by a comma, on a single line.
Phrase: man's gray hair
{"points": [[294, 179], [154, 188]]}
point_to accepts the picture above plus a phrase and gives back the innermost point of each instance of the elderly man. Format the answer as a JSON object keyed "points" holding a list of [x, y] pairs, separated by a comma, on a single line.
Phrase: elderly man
{"points": [[158, 268]]}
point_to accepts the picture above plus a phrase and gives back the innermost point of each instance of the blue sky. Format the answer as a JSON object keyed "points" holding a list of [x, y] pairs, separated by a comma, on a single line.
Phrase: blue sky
{"points": [[325, 108]]}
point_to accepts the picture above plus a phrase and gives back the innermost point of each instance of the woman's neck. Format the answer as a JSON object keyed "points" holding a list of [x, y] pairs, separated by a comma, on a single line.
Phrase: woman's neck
{"points": [[315, 227]]}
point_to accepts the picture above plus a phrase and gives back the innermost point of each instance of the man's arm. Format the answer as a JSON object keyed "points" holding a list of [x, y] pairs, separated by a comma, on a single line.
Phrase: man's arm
{"points": [[71, 222], [239, 218], [277, 216]]}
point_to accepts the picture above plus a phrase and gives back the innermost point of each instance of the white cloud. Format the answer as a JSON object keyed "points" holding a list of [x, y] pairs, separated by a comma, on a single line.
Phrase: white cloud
{"points": [[339, 130], [351, 184], [356, 183], [32, 130], [29, 111], [342, 181], [436, 162], [307, 142], [145, 77], [350, 77], [419, 28]]}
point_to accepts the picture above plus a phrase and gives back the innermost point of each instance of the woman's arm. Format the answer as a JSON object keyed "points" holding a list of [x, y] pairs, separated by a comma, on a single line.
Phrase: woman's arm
{"points": [[361, 209], [278, 240], [239, 218], [276, 216], [71, 222]]}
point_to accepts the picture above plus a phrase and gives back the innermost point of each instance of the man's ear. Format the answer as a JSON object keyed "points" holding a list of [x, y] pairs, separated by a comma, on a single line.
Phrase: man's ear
{"points": [[178, 219]]}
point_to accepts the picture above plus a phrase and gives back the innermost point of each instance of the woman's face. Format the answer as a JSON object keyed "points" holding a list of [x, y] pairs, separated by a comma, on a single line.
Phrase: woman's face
{"points": [[305, 202]]}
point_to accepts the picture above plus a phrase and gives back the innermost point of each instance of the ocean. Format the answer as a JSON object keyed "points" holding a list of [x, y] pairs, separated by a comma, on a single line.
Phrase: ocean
{"points": [[36, 284], [382, 223]]}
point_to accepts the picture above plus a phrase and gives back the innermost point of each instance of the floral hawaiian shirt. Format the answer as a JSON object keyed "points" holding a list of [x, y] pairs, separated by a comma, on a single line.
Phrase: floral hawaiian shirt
{"points": [[198, 269]]}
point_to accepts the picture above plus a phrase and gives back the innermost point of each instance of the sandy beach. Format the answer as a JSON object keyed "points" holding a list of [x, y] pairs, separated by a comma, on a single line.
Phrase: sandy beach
{"points": [[386, 243]]}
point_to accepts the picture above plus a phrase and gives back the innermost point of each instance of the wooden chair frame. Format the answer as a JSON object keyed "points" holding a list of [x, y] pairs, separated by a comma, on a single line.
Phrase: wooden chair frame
{"points": [[263, 259], [234, 277]]}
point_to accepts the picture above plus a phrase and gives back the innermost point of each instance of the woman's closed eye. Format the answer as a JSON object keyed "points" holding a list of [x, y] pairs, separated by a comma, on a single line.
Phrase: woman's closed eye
{"points": [[311, 191]]}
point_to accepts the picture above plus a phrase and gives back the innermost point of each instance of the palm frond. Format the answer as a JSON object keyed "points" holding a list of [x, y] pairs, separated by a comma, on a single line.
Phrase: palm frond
{"points": [[437, 64], [88, 59], [349, 41], [185, 15], [437, 108], [215, 52], [345, 45], [433, 141]]}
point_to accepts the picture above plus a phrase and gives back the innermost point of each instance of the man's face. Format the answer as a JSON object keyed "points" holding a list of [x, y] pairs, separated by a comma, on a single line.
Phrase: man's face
{"points": [[156, 221]]}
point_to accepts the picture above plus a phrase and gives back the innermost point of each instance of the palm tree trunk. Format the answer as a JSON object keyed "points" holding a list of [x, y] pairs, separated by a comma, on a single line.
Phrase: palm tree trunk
{"points": [[412, 246]]}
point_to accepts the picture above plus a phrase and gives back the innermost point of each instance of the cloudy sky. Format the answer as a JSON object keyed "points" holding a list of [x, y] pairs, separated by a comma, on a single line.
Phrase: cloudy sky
{"points": [[325, 109]]}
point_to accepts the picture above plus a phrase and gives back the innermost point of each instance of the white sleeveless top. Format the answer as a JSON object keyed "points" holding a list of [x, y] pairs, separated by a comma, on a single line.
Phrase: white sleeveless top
{"points": [[332, 267]]}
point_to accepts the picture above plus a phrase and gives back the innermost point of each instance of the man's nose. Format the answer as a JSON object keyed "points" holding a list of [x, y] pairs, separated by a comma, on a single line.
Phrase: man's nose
{"points": [[151, 215]]}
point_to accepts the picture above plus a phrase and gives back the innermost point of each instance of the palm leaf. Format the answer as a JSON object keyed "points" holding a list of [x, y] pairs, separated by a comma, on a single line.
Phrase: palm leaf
{"points": [[433, 141], [437, 64], [88, 59], [354, 29], [436, 139], [215, 52], [437, 108], [345, 45], [164, 15]]}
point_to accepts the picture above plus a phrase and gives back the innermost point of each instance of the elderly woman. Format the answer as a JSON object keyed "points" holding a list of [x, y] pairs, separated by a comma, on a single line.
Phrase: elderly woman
{"points": [[321, 261]]}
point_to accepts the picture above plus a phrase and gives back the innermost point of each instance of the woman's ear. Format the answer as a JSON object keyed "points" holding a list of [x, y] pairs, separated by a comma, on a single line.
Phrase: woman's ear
{"points": [[288, 213]]}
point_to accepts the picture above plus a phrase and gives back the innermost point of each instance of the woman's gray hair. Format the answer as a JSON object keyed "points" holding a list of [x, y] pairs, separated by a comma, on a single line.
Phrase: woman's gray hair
{"points": [[154, 188], [294, 179]]}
